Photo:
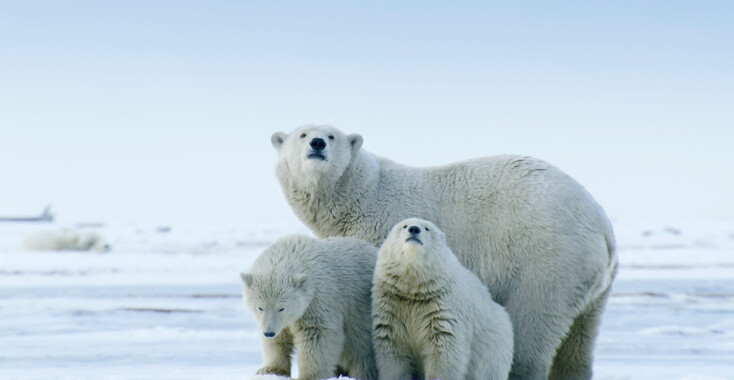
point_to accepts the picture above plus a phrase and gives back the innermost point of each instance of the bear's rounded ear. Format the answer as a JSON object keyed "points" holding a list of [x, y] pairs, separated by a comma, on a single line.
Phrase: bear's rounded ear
{"points": [[299, 280], [247, 279], [355, 140], [278, 138]]}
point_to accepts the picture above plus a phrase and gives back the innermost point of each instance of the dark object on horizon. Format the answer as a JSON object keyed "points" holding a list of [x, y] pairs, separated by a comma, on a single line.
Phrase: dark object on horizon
{"points": [[45, 216]]}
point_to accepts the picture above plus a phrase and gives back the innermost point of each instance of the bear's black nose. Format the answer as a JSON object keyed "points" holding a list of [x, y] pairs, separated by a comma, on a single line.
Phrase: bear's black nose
{"points": [[269, 334], [318, 144], [415, 230]]}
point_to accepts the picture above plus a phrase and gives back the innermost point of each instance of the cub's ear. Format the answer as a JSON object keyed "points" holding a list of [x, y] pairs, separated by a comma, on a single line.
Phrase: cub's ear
{"points": [[278, 138], [299, 280], [355, 140], [247, 279]]}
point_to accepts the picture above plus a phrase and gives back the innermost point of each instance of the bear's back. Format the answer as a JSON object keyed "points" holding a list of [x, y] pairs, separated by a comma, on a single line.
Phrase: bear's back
{"points": [[333, 264]]}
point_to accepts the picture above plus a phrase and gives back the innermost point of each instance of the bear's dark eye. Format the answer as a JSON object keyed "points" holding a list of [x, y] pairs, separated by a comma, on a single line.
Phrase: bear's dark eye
{"points": [[281, 309], [331, 137], [427, 229], [259, 308], [405, 226], [303, 135]]}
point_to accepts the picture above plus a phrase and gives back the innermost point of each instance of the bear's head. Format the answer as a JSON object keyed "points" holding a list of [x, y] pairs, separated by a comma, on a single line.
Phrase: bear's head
{"points": [[414, 241], [315, 154], [92, 241], [276, 300]]}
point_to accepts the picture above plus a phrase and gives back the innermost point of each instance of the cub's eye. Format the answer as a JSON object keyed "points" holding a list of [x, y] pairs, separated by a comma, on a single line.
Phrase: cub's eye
{"points": [[427, 229], [331, 137], [303, 135], [281, 309], [259, 308], [405, 226]]}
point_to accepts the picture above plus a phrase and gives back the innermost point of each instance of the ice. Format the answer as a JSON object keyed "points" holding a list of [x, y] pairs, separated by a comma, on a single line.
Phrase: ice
{"points": [[165, 303]]}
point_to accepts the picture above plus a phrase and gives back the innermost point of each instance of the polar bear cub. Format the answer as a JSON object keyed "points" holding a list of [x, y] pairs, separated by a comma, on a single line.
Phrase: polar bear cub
{"points": [[314, 295], [433, 318]]}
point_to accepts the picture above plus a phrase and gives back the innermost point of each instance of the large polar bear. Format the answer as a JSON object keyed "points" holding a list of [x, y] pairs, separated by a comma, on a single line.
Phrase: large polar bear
{"points": [[432, 318], [533, 235], [316, 295]]}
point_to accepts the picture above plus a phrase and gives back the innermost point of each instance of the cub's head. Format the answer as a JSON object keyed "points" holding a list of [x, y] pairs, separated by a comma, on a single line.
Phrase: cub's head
{"points": [[276, 300], [414, 240], [315, 153]]}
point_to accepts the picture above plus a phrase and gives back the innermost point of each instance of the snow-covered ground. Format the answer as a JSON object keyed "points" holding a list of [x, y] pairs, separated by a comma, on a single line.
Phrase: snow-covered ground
{"points": [[165, 303]]}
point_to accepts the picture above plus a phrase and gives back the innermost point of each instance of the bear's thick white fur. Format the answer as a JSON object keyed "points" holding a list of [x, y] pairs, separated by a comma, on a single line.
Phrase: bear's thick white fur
{"points": [[64, 240], [432, 318], [314, 295], [534, 236]]}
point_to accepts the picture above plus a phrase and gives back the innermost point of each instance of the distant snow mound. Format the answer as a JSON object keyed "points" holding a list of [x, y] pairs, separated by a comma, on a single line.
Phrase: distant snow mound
{"points": [[702, 377], [710, 234], [681, 330]]}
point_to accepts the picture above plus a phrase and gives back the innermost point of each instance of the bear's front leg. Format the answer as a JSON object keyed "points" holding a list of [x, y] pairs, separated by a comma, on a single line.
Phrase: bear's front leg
{"points": [[320, 348], [447, 357], [392, 367], [277, 352], [391, 356]]}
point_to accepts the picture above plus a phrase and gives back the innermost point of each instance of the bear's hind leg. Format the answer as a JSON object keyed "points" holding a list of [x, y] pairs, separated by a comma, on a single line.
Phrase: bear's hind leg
{"points": [[574, 357], [538, 330]]}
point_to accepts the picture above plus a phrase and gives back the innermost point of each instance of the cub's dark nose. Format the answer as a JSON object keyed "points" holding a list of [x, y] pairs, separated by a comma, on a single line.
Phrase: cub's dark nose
{"points": [[415, 230], [269, 334], [318, 144]]}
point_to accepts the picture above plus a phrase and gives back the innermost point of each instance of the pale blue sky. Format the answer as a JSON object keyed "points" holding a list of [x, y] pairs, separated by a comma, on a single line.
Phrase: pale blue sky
{"points": [[163, 110]]}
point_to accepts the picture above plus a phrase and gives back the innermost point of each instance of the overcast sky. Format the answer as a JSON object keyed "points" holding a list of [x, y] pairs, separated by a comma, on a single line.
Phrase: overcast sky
{"points": [[163, 110]]}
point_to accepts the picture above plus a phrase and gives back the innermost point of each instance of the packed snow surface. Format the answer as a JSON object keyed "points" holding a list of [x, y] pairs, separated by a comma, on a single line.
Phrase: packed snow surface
{"points": [[165, 303]]}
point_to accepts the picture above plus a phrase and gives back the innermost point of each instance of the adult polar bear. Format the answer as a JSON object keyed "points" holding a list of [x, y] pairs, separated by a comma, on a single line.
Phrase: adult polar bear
{"points": [[532, 234]]}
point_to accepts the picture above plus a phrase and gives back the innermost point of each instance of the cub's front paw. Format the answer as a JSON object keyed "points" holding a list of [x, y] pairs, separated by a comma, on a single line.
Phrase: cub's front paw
{"points": [[274, 371]]}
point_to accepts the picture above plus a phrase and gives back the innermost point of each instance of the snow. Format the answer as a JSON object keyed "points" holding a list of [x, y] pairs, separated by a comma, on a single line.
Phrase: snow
{"points": [[165, 303]]}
